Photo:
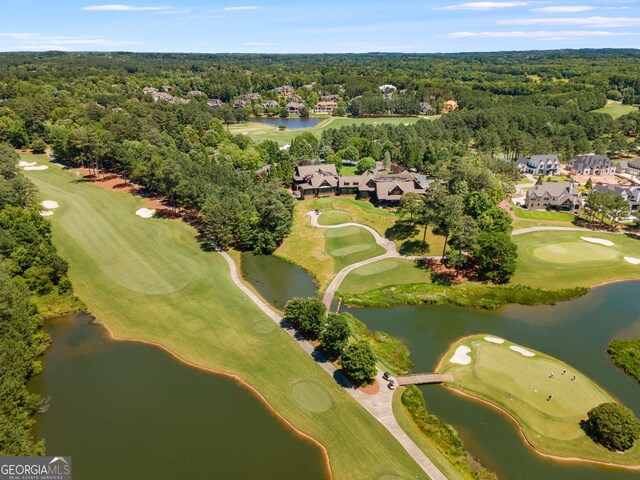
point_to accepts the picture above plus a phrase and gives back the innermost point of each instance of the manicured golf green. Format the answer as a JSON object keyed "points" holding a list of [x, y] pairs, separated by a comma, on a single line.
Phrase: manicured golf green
{"points": [[348, 245], [547, 397], [562, 259], [148, 279], [384, 273], [334, 217]]}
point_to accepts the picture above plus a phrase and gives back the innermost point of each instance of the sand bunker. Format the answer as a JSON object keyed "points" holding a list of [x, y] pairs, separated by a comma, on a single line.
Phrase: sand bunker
{"points": [[522, 351], [632, 260], [145, 212], [461, 356], [46, 213], [494, 340], [39, 167], [49, 204], [22, 163], [599, 241]]}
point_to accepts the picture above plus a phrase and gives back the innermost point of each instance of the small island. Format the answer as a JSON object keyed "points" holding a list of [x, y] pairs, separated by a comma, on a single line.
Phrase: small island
{"points": [[548, 399]]}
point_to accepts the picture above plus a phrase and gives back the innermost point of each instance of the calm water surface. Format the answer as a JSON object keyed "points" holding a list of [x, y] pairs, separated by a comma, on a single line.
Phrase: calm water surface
{"points": [[577, 332], [126, 410], [290, 123]]}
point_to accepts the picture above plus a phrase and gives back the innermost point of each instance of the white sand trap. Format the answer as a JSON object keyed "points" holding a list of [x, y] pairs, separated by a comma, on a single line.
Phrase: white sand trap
{"points": [[39, 167], [599, 241], [49, 204], [522, 351], [145, 212], [632, 260], [22, 163], [46, 213], [461, 356], [494, 340]]}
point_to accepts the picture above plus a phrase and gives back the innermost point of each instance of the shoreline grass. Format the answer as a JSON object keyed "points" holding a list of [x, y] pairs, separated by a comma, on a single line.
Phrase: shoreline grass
{"points": [[464, 295], [547, 397], [147, 279]]}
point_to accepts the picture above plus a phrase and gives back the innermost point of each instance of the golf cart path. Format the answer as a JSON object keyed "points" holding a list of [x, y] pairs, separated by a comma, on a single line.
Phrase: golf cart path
{"points": [[388, 245], [379, 405]]}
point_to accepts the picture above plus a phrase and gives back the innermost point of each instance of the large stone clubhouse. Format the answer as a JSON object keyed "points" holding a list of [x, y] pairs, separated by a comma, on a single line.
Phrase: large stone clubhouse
{"points": [[384, 188]]}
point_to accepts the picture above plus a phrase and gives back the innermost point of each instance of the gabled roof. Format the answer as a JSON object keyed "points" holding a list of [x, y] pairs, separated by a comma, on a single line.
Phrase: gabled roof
{"points": [[591, 160], [559, 192]]}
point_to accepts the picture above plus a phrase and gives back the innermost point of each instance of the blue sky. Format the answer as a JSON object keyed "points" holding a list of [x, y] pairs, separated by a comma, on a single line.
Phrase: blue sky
{"points": [[314, 27]]}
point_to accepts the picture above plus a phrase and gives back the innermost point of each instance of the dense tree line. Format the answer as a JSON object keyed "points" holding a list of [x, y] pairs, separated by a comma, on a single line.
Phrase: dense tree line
{"points": [[29, 265]]}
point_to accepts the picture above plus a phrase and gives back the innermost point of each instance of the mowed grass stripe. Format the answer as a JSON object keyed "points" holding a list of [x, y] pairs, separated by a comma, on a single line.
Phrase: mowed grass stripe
{"points": [[207, 321], [349, 245]]}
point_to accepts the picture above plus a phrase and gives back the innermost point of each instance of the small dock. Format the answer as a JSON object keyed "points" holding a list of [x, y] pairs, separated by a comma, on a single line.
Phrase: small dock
{"points": [[423, 379]]}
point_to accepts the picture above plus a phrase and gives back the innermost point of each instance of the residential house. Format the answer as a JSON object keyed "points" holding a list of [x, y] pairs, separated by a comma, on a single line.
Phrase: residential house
{"points": [[167, 97], [295, 107], [560, 196], [284, 90], [325, 107], [196, 93], [167, 88], [629, 168], [295, 98], [270, 104], [592, 164], [539, 165], [239, 104], [316, 180], [449, 106], [251, 96], [215, 103], [330, 98], [148, 90], [425, 107], [387, 88], [631, 195]]}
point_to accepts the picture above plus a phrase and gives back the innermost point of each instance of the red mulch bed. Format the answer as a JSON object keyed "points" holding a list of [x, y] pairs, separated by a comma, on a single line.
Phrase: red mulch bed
{"points": [[371, 389]]}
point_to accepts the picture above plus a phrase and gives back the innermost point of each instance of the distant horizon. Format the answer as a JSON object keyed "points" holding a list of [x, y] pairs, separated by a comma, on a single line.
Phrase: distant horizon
{"points": [[346, 26]]}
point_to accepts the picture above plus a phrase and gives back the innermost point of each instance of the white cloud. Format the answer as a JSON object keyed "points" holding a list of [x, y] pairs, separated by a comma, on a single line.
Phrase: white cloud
{"points": [[485, 5], [565, 9], [239, 8], [541, 35], [124, 8], [597, 22], [34, 41], [18, 36]]}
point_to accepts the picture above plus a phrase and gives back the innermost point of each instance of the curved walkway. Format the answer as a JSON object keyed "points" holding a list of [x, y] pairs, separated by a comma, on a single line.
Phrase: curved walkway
{"points": [[379, 405], [567, 229], [388, 245]]}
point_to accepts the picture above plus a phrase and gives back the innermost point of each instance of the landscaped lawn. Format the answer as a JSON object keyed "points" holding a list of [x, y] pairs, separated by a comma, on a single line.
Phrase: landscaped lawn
{"points": [[562, 259], [616, 109], [348, 245], [543, 215], [384, 273], [348, 171], [521, 384], [260, 131], [148, 279], [334, 217]]}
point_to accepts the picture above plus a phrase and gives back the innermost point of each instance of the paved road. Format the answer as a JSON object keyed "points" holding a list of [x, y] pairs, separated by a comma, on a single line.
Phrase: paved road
{"points": [[379, 405]]}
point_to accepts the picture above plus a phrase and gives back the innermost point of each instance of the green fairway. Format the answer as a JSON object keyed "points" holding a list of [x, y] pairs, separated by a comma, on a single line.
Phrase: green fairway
{"points": [[148, 279], [384, 273], [562, 259], [543, 215], [616, 109], [348, 245], [261, 131], [547, 397]]}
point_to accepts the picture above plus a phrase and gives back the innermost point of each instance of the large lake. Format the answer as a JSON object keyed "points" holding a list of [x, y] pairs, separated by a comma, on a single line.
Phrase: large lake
{"points": [[290, 123], [576, 332], [127, 410]]}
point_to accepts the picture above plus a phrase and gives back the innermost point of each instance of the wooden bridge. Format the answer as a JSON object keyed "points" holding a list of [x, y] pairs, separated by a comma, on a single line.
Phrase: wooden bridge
{"points": [[423, 378]]}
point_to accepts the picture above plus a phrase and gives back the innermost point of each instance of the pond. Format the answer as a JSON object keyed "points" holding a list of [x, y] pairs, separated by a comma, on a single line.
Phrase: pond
{"points": [[576, 332], [290, 123], [130, 410]]}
